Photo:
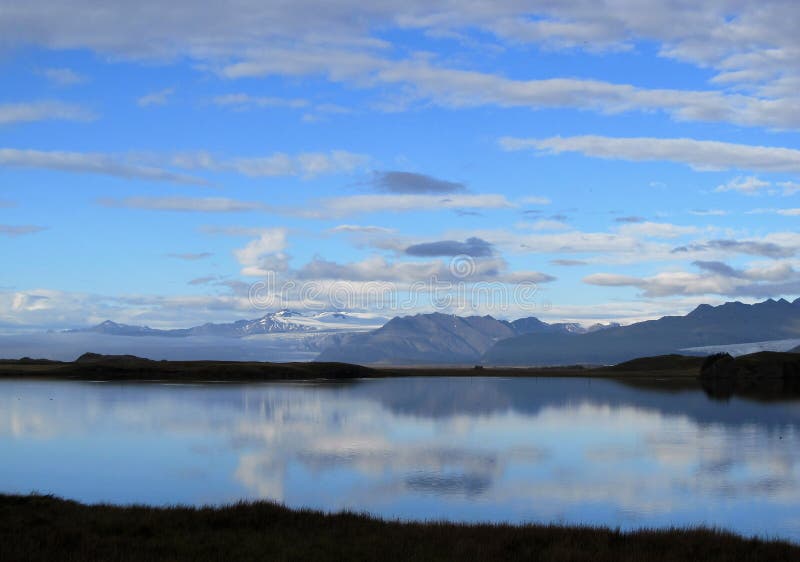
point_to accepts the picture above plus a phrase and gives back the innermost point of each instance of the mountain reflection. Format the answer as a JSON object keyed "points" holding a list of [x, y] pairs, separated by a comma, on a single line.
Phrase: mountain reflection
{"points": [[579, 450]]}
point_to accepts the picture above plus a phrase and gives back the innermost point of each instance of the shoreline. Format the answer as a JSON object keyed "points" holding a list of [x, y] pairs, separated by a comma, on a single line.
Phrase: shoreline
{"points": [[38, 527], [91, 367]]}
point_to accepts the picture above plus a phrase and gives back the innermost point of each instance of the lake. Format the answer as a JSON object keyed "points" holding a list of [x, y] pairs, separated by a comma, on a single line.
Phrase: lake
{"points": [[564, 450]]}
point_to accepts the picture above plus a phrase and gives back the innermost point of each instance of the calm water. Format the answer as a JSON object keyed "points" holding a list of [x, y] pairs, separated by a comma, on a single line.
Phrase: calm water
{"points": [[563, 450]]}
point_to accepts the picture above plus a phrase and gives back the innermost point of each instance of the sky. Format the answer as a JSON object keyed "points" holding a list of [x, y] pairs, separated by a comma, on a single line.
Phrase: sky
{"points": [[588, 161]]}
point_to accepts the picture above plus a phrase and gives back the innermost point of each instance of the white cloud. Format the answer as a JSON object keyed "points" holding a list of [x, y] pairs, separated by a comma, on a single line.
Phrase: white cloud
{"points": [[50, 308], [184, 204], [306, 164], [790, 187], [752, 48], [656, 230], [402, 274], [156, 167], [370, 229], [27, 112], [91, 163], [246, 101], [333, 207], [357, 204], [749, 185], [156, 98], [63, 76], [716, 278], [260, 256], [793, 212], [701, 155], [545, 225]]}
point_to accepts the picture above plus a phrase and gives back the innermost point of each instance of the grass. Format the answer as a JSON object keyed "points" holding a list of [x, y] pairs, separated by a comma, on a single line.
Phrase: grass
{"points": [[39, 527]]}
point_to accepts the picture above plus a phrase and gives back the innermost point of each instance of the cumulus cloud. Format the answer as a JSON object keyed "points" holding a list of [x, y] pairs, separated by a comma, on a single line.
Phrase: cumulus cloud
{"points": [[701, 155], [629, 219], [27, 112], [264, 254], [568, 262], [409, 182], [475, 247], [19, 230]]}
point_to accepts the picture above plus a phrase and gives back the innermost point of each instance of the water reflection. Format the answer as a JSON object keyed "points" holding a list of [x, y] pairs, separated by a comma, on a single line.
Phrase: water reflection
{"points": [[573, 450]]}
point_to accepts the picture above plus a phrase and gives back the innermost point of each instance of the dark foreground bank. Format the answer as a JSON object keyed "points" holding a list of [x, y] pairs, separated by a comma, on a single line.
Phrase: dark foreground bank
{"points": [[91, 366], [46, 528]]}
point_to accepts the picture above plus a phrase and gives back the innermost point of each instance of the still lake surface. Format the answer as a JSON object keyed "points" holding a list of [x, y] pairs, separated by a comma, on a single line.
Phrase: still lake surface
{"points": [[566, 450]]}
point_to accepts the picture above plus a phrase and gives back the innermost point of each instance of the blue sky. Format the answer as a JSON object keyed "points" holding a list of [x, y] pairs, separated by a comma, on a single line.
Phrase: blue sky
{"points": [[630, 159]]}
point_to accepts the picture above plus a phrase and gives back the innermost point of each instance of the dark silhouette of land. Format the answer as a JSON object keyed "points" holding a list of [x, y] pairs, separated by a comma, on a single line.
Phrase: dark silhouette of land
{"points": [[764, 375], [727, 324], [42, 528], [92, 366], [443, 339]]}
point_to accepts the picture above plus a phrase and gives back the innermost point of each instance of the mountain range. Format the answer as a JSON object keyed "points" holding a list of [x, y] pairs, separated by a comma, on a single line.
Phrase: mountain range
{"points": [[281, 322], [706, 325], [438, 338]]}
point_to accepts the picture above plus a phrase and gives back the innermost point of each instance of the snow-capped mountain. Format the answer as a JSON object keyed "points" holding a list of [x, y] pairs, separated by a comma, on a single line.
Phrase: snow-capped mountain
{"points": [[280, 322]]}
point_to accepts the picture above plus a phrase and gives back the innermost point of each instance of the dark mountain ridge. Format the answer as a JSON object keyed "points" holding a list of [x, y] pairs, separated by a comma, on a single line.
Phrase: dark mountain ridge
{"points": [[435, 338], [706, 325]]}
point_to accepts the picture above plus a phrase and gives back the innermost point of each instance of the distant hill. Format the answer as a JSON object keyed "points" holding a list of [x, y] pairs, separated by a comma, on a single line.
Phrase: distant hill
{"points": [[730, 323], [435, 339]]}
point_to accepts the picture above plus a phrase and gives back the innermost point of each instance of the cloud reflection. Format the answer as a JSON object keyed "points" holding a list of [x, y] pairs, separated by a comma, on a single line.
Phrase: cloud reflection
{"points": [[581, 451]]}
